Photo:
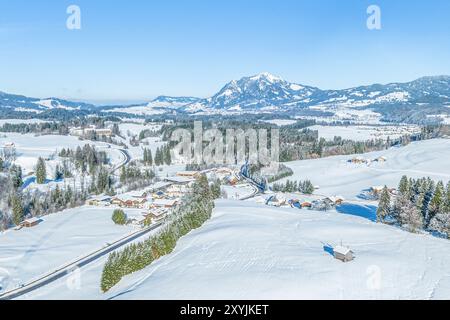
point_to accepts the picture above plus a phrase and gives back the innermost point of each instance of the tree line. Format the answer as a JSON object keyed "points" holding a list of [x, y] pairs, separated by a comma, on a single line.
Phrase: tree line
{"points": [[132, 177], [195, 210], [420, 204], [305, 187]]}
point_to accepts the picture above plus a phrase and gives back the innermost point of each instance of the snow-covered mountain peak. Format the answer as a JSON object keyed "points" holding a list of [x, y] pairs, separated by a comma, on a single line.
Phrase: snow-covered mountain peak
{"points": [[265, 76]]}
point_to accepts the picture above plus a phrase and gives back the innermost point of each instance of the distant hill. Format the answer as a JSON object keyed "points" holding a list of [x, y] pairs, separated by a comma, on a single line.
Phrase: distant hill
{"points": [[423, 100]]}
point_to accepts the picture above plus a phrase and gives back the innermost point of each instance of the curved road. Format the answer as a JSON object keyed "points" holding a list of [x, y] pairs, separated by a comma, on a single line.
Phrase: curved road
{"points": [[253, 184], [67, 269], [126, 159]]}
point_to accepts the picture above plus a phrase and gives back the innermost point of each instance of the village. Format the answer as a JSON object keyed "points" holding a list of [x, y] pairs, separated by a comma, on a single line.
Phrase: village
{"points": [[157, 201]]}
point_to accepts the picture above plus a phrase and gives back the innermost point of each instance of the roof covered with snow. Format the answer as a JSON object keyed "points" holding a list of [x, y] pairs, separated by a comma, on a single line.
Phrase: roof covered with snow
{"points": [[342, 250]]}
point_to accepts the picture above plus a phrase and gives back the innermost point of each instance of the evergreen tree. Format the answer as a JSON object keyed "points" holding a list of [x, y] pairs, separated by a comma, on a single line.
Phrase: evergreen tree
{"points": [[123, 175], [437, 202], [215, 189], [404, 187], [17, 209], [1, 164], [429, 192], [150, 158], [58, 172], [119, 217], [441, 223], [41, 171], [167, 156], [308, 187], [115, 129], [384, 207], [447, 199], [157, 157], [410, 216], [15, 173]]}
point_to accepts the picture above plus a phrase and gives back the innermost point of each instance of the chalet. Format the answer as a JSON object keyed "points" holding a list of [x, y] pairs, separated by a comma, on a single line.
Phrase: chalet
{"points": [[128, 201], [295, 203], [138, 220], [164, 203], [104, 132], [189, 174], [180, 180], [358, 160], [159, 195], [157, 214], [276, 201], [158, 186], [100, 201], [177, 190], [232, 179], [376, 190], [224, 170], [224, 173], [343, 253], [80, 132], [138, 194], [335, 200], [381, 159], [306, 204], [32, 222]]}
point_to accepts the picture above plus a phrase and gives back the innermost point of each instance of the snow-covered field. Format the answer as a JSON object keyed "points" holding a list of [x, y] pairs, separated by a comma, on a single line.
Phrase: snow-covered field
{"points": [[19, 121], [30, 147], [251, 251], [239, 191], [281, 122], [335, 176], [363, 133], [57, 240], [137, 110], [133, 129]]}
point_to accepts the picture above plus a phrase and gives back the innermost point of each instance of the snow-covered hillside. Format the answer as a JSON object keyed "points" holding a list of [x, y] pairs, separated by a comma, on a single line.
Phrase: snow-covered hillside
{"points": [[250, 251], [335, 176], [366, 104], [59, 239], [20, 103], [160, 105], [265, 93], [30, 147]]}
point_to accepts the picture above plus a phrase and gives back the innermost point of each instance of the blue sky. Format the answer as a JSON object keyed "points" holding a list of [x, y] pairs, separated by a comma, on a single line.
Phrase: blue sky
{"points": [[134, 50]]}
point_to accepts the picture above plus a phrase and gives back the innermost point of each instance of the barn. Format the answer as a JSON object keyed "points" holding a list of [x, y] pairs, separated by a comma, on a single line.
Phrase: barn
{"points": [[32, 222], [343, 253]]}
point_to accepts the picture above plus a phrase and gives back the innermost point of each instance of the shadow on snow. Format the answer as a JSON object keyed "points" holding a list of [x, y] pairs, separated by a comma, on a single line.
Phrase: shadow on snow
{"points": [[364, 211]]}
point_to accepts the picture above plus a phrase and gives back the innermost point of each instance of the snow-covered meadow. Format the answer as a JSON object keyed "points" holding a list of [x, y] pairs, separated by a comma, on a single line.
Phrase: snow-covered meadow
{"points": [[336, 176], [363, 133], [30, 147], [130, 129], [60, 238], [251, 251]]}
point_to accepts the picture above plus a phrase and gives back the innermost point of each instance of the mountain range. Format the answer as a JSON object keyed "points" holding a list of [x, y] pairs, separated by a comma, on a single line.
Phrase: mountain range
{"points": [[415, 101]]}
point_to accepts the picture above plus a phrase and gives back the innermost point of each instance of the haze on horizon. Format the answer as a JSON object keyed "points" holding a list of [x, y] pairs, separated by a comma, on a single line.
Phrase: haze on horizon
{"points": [[134, 52]]}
